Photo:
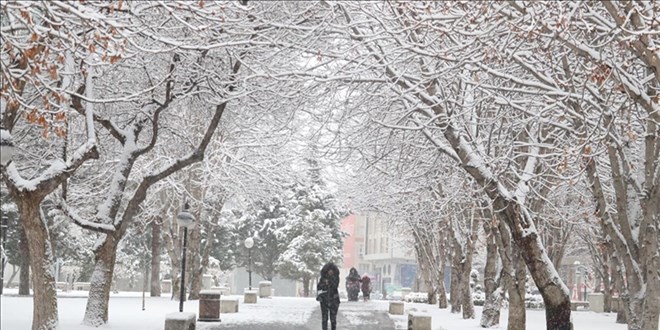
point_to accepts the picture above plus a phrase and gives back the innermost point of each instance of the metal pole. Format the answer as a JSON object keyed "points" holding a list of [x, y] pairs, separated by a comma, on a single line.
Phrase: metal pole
{"points": [[183, 270], [585, 286], [250, 268]]}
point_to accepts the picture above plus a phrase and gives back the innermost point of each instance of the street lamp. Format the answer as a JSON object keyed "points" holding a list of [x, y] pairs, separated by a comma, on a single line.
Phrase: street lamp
{"points": [[7, 149], [584, 278], [249, 243], [186, 220]]}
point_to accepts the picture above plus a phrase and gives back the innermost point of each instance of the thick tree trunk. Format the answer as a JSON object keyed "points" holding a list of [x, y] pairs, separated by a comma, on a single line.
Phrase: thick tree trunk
{"points": [[96, 312], [442, 292], [491, 312], [306, 280], [466, 300], [455, 289], [155, 258], [517, 313], [424, 270], [466, 291], [44, 314], [24, 276], [195, 284]]}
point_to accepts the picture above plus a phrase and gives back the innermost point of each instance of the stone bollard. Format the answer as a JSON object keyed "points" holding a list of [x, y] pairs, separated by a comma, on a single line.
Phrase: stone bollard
{"points": [[396, 307], [228, 305], [180, 321], [596, 302], [265, 288], [209, 306], [250, 297], [166, 286], [404, 293], [418, 321]]}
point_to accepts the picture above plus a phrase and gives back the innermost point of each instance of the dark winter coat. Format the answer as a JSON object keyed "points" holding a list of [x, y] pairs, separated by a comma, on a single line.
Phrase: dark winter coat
{"points": [[353, 276], [329, 284], [366, 284]]}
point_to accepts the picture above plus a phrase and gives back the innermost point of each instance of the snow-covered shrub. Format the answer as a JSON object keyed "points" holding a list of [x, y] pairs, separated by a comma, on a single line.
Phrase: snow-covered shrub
{"points": [[418, 297], [534, 301]]}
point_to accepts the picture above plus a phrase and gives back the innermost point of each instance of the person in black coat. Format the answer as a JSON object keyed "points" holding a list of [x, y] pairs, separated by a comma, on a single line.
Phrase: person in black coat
{"points": [[328, 294]]}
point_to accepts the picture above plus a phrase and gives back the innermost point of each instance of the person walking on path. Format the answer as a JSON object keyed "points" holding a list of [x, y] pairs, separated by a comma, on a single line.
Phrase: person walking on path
{"points": [[366, 287], [328, 295], [353, 284]]}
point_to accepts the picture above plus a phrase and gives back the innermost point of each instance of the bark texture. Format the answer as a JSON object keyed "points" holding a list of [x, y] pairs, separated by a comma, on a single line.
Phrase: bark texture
{"points": [[44, 313], [491, 313], [155, 258], [24, 276], [96, 311]]}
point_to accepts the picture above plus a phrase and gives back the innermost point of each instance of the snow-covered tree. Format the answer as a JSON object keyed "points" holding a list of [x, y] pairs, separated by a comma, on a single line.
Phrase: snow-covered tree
{"points": [[312, 234]]}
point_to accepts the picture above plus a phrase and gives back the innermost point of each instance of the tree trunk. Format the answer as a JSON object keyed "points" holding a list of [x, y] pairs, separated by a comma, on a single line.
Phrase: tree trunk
{"points": [[96, 312], [455, 289], [424, 270], [517, 314], [44, 314], [306, 280], [466, 300], [175, 274], [442, 292], [466, 292], [155, 258], [194, 270], [24, 277], [491, 312]]}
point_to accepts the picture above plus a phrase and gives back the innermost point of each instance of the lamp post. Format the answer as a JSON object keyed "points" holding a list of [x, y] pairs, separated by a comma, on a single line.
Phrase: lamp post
{"points": [[249, 243], [186, 220], [584, 278]]}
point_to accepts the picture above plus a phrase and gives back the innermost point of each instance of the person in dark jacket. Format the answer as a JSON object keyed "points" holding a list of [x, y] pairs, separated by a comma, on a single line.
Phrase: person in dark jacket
{"points": [[328, 294], [353, 284], [366, 287]]}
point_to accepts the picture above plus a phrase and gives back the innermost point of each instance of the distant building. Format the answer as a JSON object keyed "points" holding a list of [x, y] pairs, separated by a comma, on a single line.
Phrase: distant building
{"points": [[371, 248]]}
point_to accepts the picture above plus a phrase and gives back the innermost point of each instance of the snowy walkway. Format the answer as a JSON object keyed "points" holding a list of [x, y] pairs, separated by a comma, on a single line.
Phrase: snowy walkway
{"points": [[352, 315], [356, 315]]}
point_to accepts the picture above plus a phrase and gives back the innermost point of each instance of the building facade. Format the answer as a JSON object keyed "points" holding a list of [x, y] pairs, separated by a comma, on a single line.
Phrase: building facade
{"points": [[372, 248]]}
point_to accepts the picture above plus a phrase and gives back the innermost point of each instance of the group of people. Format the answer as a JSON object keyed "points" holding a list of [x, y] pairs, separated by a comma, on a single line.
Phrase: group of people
{"points": [[354, 283], [328, 292]]}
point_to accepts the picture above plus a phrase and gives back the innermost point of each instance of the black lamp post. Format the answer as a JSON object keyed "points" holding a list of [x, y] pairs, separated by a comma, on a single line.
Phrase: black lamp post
{"points": [[186, 220], [249, 243]]}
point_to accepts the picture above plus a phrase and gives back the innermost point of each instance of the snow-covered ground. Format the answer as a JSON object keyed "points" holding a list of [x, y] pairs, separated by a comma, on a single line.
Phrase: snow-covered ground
{"points": [[126, 313], [443, 319]]}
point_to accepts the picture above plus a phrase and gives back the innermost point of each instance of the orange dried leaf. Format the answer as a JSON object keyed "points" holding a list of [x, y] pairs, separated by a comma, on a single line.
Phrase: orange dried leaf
{"points": [[45, 133], [42, 121], [53, 72], [60, 116], [201, 3], [92, 48]]}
